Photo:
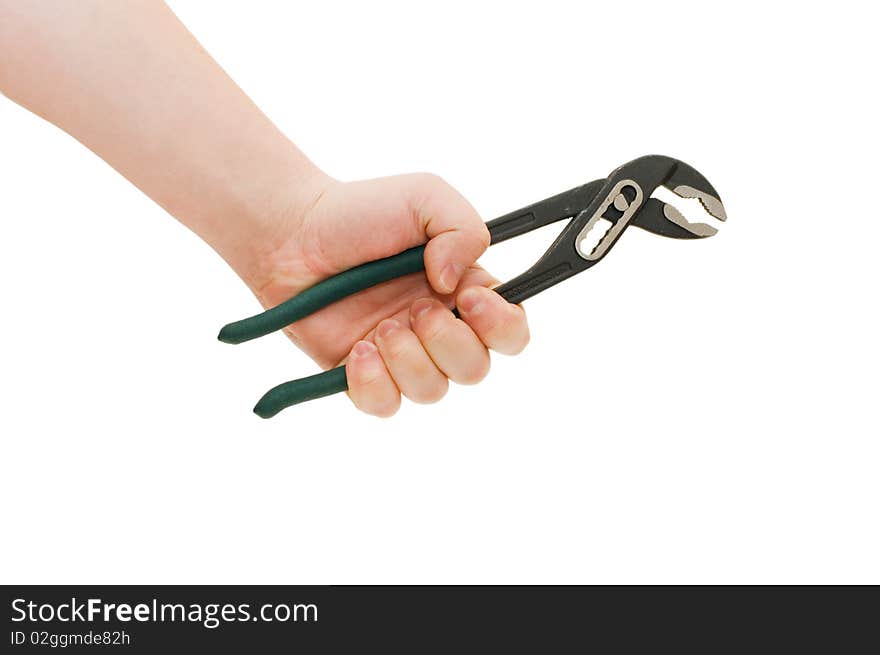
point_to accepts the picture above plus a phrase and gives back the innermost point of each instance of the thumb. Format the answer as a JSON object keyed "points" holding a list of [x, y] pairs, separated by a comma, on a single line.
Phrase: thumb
{"points": [[457, 235]]}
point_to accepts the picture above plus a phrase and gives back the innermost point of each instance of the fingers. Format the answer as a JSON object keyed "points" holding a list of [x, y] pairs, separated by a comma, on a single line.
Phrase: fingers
{"points": [[418, 361], [452, 345], [499, 324], [369, 384], [457, 234], [410, 366]]}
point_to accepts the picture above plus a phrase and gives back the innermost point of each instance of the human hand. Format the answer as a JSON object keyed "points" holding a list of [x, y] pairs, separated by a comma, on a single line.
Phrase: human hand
{"points": [[399, 337], [171, 121]]}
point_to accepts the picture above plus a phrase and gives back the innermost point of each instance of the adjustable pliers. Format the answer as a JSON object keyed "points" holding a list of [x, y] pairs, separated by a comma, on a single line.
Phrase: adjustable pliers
{"points": [[622, 198]]}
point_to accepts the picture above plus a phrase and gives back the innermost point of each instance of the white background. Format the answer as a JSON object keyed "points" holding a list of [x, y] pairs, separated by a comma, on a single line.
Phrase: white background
{"points": [[688, 412]]}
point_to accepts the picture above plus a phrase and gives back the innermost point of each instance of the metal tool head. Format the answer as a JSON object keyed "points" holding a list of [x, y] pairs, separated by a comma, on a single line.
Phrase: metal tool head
{"points": [[683, 180], [622, 198], [626, 199]]}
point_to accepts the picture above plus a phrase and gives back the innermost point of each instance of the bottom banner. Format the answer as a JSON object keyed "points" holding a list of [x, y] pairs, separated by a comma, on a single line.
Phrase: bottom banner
{"points": [[170, 619]]}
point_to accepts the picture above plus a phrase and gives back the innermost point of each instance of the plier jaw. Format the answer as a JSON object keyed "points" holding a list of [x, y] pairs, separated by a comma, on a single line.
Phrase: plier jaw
{"points": [[685, 182]]}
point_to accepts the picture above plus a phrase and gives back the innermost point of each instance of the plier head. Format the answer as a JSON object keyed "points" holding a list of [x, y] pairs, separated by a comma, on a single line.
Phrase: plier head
{"points": [[626, 199], [623, 198]]}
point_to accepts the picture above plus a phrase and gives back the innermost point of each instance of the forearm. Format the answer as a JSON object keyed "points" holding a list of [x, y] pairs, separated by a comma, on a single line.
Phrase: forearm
{"points": [[131, 83]]}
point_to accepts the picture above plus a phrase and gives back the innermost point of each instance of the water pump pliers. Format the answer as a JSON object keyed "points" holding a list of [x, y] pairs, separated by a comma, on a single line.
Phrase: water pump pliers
{"points": [[622, 199]]}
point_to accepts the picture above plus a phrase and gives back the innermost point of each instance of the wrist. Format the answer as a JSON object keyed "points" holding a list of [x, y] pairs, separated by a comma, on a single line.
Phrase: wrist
{"points": [[260, 241]]}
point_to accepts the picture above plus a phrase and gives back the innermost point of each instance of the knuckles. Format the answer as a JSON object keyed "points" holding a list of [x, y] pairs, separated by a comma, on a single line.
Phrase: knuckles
{"points": [[432, 323], [383, 410], [431, 393], [430, 182], [475, 371]]}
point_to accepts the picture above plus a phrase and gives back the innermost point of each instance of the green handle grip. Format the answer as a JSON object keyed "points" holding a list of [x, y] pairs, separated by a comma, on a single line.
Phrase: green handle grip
{"points": [[299, 391], [322, 294]]}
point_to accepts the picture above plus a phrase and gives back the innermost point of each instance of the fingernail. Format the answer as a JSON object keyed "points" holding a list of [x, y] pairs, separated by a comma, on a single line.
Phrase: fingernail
{"points": [[420, 307], [470, 301], [387, 328], [370, 366], [449, 277], [363, 349]]}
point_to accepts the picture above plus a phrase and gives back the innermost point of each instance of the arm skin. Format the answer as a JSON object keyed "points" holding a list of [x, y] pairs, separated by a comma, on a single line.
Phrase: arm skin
{"points": [[130, 82]]}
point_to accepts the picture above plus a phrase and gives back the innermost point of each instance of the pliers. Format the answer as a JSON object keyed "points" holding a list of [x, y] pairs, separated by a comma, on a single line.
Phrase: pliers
{"points": [[623, 199]]}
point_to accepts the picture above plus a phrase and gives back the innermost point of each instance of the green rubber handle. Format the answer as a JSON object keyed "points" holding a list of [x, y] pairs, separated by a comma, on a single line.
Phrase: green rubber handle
{"points": [[322, 294], [299, 391]]}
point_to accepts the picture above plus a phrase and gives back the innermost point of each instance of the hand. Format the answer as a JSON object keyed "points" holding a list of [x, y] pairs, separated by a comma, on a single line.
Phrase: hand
{"points": [[399, 337], [170, 120]]}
